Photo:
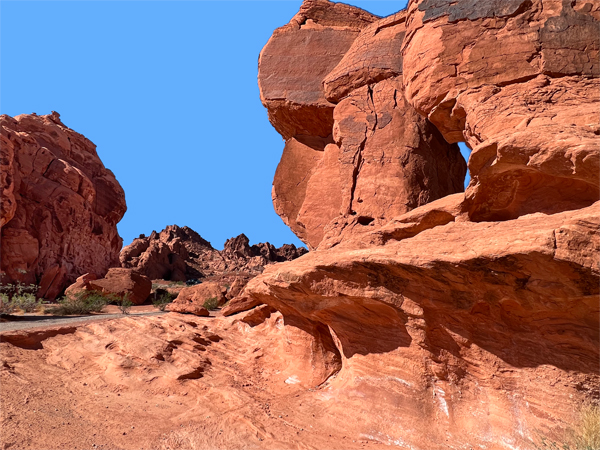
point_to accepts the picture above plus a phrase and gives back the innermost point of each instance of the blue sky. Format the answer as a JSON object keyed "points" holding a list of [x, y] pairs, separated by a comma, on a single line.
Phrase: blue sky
{"points": [[167, 91]]}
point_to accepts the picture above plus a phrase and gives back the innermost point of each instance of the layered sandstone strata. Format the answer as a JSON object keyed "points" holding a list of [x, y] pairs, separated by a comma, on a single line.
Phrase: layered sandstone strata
{"points": [[60, 205]]}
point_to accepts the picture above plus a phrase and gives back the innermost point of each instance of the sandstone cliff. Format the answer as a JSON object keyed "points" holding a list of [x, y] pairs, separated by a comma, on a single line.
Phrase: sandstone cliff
{"points": [[60, 205], [454, 320], [368, 155]]}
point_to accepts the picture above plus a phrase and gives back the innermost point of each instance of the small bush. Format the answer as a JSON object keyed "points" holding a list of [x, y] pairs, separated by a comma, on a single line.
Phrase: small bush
{"points": [[584, 436], [84, 302], [6, 305], [125, 304], [161, 299], [26, 302], [587, 432], [13, 290], [211, 303]]}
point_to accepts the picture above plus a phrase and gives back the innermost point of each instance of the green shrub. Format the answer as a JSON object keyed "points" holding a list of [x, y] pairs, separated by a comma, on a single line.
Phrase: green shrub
{"points": [[12, 290], [6, 305], [26, 302], [161, 299], [125, 304], [211, 303], [84, 302]]}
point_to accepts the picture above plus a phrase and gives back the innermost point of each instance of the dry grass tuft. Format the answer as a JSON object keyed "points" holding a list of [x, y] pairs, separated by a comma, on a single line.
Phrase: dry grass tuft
{"points": [[587, 432]]}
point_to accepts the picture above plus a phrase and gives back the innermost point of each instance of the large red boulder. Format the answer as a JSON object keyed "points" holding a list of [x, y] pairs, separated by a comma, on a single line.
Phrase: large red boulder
{"points": [[60, 205], [449, 318], [117, 283], [192, 299]]}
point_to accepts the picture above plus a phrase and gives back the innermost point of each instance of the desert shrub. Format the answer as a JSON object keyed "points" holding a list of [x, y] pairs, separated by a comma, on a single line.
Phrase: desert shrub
{"points": [[6, 305], [585, 435], [27, 302], [587, 431], [19, 296], [19, 288], [211, 303], [161, 299], [125, 304], [84, 302]]}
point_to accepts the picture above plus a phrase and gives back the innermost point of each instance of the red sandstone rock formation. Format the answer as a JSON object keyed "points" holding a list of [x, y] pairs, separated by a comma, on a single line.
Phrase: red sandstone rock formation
{"points": [[519, 82], [118, 282], [179, 253], [354, 146], [59, 207], [460, 319], [450, 317], [191, 300]]}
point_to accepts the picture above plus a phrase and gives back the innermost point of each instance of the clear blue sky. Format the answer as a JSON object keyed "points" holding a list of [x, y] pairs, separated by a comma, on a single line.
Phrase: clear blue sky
{"points": [[168, 93]]}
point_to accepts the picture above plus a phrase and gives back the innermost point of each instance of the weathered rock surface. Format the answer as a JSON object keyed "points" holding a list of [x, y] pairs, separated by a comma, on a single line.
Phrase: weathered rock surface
{"points": [[449, 316], [239, 304], [298, 56], [59, 206], [461, 318], [529, 112], [373, 156], [118, 282], [179, 254]]}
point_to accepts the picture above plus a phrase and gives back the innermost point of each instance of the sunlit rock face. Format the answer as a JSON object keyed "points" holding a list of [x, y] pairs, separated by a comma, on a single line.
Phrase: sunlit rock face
{"points": [[60, 205], [518, 81], [448, 320], [331, 81]]}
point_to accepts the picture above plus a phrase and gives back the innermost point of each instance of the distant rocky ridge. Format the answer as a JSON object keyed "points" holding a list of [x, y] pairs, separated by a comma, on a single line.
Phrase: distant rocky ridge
{"points": [[179, 254], [59, 206]]}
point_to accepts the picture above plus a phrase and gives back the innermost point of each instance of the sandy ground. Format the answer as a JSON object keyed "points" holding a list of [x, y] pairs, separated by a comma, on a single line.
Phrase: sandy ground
{"points": [[164, 382]]}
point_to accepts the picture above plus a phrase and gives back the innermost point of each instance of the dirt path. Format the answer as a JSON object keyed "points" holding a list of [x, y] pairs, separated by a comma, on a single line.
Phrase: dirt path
{"points": [[28, 322]]}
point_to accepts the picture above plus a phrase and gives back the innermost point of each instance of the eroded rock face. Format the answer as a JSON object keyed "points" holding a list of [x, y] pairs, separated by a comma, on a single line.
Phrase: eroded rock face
{"points": [[60, 205], [179, 254], [298, 56], [451, 316], [529, 112], [373, 156], [459, 319]]}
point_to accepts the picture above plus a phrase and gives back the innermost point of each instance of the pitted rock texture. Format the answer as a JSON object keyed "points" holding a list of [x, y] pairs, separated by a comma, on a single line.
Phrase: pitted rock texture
{"points": [[373, 156], [180, 254], [529, 112], [60, 205]]}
